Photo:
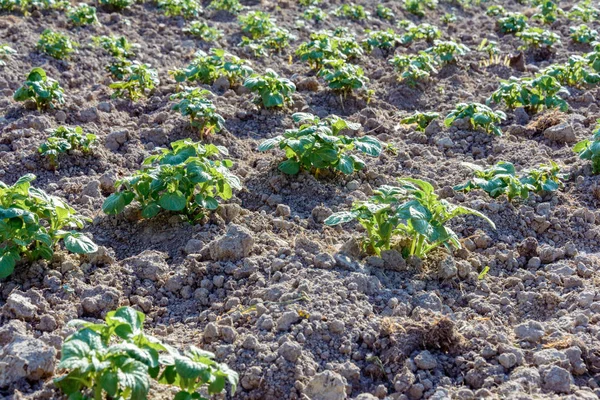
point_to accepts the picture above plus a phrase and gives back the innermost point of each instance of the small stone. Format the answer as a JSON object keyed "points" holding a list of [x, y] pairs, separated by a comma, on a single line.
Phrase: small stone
{"points": [[20, 306], [327, 385], [310, 84], [221, 84], [236, 244], [336, 326], [447, 268], [561, 133], [193, 246], [252, 378], [324, 261], [291, 351], [557, 379], [26, 357], [531, 331], [425, 360], [47, 323], [286, 320], [283, 210], [507, 360], [114, 140], [211, 332]]}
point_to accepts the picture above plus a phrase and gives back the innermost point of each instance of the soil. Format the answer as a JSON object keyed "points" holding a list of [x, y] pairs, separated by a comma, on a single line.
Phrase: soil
{"points": [[384, 328]]}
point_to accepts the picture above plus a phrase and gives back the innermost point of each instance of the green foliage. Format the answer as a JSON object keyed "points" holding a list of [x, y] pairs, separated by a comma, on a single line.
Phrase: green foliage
{"points": [[532, 94], [414, 67], [593, 58], [512, 23], [496, 10], [56, 44], [549, 12], [589, 149], [447, 51], [231, 6], [119, 359], [82, 15], [14, 5], [417, 7], [501, 179], [185, 180], [308, 3], [140, 79], [412, 212], [537, 37], [489, 46], [479, 116], [201, 111], [5, 52], [422, 120], [118, 47], [184, 8], [119, 68], [63, 139], [425, 32], [584, 11], [384, 12], [33, 222], [203, 31], [117, 4], [315, 14], [276, 40], [273, 90], [347, 43], [318, 144], [342, 76], [583, 34], [384, 40], [448, 18], [351, 11], [257, 24], [26, 6], [46, 92], [206, 68], [322, 46], [575, 73]]}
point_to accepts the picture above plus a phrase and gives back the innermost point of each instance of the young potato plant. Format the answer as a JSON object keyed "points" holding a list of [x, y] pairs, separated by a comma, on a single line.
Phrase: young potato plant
{"points": [[231, 6], [343, 77], [593, 57], [63, 139], [82, 15], [257, 24], [318, 144], [46, 92], [412, 213], [186, 180], [315, 14], [203, 31], [537, 38], [575, 73], [589, 149], [448, 18], [549, 12], [201, 111], [119, 68], [414, 67], [116, 359], [33, 222], [118, 47], [276, 40], [272, 90], [425, 32], [140, 80], [532, 94], [512, 23], [478, 115], [447, 51], [207, 68], [347, 43], [56, 44], [583, 34], [184, 8], [495, 10], [420, 119], [5, 52], [584, 11], [384, 12], [417, 7], [322, 46], [501, 179], [351, 11], [385, 40], [117, 5]]}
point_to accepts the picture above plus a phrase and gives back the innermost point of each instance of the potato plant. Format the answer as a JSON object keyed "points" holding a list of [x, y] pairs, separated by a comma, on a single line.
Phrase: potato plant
{"points": [[275, 41], [315, 14], [206, 68], [385, 40], [117, 5], [201, 111], [495, 10], [584, 11], [116, 359], [343, 77], [448, 18], [272, 90], [33, 222], [119, 68], [512, 23], [63, 139], [447, 51], [353, 12], [203, 31], [502, 179], [56, 44], [319, 144], [139, 81], [184, 8], [384, 12], [537, 38], [593, 57], [82, 15], [116, 46], [414, 67], [548, 12], [5, 52], [424, 31], [257, 24], [45, 91], [589, 149], [322, 46], [418, 7], [186, 179], [574, 73], [583, 34], [478, 115], [410, 213], [231, 6], [347, 43], [533, 94], [420, 119]]}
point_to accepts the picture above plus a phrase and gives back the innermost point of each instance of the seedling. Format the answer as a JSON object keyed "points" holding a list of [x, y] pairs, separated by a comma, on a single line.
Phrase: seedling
{"points": [[412, 213], [119, 359], [414, 67], [315, 14], [532, 94], [33, 222], [140, 80], [203, 31], [318, 144], [501, 179], [63, 139], [257, 24], [276, 40], [273, 90], [117, 4], [425, 32], [417, 7], [495, 10], [448, 18], [347, 43], [308, 3], [385, 40], [206, 68], [447, 52], [589, 149], [537, 38], [584, 11], [351, 11], [593, 58], [185, 8], [512, 23], [320, 47], [201, 111], [119, 68], [56, 44], [5, 52], [186, 180], [343, 77], [46, 92], [384, 12], [231, 6], [549, 12], [478, 115], [82, 15], [583, 34], [574, 73], [422, 120], [117, 47]]}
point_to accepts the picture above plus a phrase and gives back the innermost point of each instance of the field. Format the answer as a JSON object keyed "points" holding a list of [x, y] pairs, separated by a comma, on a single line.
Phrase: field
{"points": [[310, 273]]}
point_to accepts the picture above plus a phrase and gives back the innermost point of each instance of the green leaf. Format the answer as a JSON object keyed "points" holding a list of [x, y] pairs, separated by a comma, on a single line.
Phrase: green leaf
{"points": [[290, 167], [79, 243], [368, 145], [116, 202], [340, 218], [151, 210], [346, 165], [110, 382], [7, 264], [133, 374], [173, 201], [270, 143]]}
